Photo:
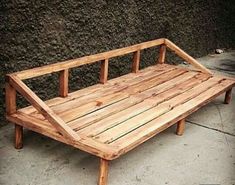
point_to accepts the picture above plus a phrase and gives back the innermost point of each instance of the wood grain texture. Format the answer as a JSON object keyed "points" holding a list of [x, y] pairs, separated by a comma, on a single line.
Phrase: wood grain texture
{"points": [[104, 71], [64, 83], [45, 128], [186, 57], [159, 124], [108, 120], [10, 97], [18, 136], [30, 73], [103, 173], [162, 54], [136, 62], [56, 121], [98, 89], [180, 127]]}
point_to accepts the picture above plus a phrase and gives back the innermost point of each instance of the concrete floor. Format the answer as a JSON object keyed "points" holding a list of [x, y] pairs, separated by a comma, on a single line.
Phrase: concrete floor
{"points": [[205, 154]]}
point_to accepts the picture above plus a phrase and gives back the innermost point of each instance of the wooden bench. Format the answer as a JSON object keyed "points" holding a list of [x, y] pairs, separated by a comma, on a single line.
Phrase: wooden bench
{"points": [[113, 117]]}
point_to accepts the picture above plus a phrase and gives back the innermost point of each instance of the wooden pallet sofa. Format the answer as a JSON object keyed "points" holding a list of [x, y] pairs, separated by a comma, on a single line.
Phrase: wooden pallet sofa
{"points": [[113, 117]]}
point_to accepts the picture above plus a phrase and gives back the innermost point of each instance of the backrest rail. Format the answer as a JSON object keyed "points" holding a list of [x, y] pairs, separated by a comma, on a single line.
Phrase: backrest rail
{"points": [[30, 73]]}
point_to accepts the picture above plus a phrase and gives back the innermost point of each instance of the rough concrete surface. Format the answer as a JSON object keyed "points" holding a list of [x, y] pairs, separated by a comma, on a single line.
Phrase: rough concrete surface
{"points": [[205, 154]]}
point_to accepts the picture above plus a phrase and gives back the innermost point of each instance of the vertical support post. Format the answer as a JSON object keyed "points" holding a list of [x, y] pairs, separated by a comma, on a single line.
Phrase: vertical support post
{"points": [[10, 99], [228, 96], [103, 174], [136, 62], [64, 82], [104, 71], [162, 54], [18, 136], [180, 127]]}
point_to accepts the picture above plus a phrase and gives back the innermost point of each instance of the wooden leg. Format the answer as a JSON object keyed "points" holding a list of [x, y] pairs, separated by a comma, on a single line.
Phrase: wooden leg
{"points": [[103, 176], [228, 96], [18, 136], [180, 127]]}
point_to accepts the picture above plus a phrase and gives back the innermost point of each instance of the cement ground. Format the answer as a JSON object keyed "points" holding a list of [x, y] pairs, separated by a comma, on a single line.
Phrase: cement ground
{"points": [[205, 154]]}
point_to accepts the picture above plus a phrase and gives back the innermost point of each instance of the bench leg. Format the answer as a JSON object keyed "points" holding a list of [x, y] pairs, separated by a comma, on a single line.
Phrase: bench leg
{"points": [[18, 136], [228, 96], [103, 174], [180, 127]]}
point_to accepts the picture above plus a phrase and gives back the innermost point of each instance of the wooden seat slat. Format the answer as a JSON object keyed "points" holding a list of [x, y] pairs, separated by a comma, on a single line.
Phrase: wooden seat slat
{"points": [[134, 105], [76, 108], [143, 133], [133, 99], [105, 91], [97, 87], [123, 124]]}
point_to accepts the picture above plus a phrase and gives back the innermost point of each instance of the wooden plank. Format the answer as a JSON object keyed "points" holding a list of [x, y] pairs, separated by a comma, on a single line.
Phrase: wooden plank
{"points": [[136, 62], [186, 57], [112, 88], [162, 54], [187, 80], [131, 87], [140, 135], [87, 145], [103, 173], [92, 99], [180, 127], [127, 79], [10, 99], [128, 113], [56, 121], [51, 68], [104, 71], [127, 125], [75, 112], [79, 111], [64, 82]]}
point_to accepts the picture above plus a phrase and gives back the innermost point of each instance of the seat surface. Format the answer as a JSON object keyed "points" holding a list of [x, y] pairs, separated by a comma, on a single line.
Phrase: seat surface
{"points": [[128, 110]]}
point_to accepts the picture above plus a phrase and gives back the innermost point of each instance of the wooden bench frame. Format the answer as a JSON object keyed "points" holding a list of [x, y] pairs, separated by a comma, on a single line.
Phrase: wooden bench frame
{"points": [[15, 84]]}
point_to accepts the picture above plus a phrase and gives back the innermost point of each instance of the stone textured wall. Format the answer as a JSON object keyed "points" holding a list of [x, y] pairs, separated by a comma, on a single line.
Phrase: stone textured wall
{"points": [[35, 33]]}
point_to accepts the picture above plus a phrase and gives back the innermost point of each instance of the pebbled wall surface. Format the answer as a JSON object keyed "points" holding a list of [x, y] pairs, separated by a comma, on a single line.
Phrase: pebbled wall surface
{"points": [[35, 33]]}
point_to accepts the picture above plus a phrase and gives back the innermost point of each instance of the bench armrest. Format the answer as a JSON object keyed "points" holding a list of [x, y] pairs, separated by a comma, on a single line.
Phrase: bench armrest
{"points": [[186, 56], [45, 110]]}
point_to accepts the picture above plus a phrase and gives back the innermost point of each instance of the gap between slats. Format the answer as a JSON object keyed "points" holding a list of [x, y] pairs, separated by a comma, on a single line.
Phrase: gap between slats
{"points": [[95, 118], [130, 124]]}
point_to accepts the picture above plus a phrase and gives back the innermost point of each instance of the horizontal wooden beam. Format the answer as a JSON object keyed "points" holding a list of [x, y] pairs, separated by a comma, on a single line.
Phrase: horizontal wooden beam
{"points": [[30, 73], [186, 57], [46, 111]]}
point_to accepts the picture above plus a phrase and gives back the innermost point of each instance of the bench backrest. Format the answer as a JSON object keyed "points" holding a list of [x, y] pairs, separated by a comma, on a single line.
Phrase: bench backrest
{"points": [[14, 81]]}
